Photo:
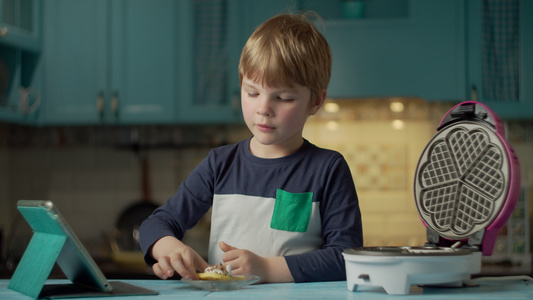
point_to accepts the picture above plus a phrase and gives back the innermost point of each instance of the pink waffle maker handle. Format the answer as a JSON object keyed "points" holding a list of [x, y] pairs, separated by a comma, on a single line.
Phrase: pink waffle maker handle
{"points": [[513, 193], [475, 111]]}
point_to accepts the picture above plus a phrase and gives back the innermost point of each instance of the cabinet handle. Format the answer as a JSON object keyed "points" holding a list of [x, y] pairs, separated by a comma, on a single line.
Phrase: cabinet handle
{"points": [[114, 103], [474, 93], [100, 104], [236, 101], [3, 31]]}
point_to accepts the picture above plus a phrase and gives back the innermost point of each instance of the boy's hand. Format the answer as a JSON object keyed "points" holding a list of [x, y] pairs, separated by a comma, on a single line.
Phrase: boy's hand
{"points": [[172, 255], [244, 262]]}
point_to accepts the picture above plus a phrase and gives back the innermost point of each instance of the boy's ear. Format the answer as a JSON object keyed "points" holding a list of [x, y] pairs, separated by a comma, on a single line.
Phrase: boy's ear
{"points": [[318, 102]]}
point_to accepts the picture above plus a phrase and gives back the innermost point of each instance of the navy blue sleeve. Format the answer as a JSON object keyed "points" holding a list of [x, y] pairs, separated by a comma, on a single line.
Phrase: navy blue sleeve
{"points": [[341, 229], [181, 212]]}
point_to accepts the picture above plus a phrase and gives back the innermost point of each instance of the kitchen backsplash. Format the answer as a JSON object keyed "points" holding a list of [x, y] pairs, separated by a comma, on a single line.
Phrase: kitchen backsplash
{"points": [[93, 173], [382, 148]]}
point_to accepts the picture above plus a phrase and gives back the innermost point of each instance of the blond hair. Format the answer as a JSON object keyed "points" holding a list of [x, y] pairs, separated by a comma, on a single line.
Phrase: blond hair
{"points": [[287, 49]]}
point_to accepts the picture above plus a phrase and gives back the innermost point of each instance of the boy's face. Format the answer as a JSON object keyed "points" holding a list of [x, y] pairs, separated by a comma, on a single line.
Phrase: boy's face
{"points": [[276, 116]]}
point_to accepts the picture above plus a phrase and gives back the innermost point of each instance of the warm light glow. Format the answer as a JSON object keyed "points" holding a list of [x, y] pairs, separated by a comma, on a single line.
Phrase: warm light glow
{"points": [[331, 107], [332, 125], [396, 106], [398, 124]]}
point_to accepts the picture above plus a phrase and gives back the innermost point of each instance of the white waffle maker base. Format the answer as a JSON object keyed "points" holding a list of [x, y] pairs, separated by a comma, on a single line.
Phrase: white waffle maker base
{"points": [[396, 274]]}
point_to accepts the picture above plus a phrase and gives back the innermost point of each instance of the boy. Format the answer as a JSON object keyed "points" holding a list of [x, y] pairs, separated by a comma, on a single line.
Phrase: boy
{"points": [[282, 208]]}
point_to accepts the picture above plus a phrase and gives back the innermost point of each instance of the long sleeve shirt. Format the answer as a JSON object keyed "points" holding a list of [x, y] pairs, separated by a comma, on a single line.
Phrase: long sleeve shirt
{"points": [[303, 206]]}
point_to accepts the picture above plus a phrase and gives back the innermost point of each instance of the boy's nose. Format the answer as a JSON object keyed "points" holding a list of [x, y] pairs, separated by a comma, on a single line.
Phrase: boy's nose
{"points": [[263, 108], [263, 113]]}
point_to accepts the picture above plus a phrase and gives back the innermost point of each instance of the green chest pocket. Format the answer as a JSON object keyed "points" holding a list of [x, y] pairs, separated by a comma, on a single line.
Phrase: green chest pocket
{"points": [[292, 211]]}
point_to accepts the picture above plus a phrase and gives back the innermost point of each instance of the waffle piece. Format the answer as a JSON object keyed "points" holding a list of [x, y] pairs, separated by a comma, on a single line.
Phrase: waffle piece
{"points": [[218, 272]]}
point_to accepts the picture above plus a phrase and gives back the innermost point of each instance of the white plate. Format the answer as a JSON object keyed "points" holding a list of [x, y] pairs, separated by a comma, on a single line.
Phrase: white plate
{"points": [[219, 285]]}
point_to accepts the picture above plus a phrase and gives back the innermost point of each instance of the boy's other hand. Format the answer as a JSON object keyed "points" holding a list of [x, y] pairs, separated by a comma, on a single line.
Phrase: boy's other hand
{"points": [[243, 262], [172, 255]]}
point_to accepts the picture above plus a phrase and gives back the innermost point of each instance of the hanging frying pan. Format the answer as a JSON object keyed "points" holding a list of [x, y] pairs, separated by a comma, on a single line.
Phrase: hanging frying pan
{"points": [[131, 218]]}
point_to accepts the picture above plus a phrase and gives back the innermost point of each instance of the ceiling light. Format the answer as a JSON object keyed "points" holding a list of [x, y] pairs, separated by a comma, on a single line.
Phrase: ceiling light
{"points": [[396, 106], [398, 124], [332, 125], [331, 107]]}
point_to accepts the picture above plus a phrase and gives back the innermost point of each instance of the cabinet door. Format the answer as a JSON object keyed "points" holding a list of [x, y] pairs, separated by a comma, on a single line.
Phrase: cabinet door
{"points": [[20, 42], [516, 105], [210, 42], [203, 63], [419, 55], [110, 62], [143, 64], [20, 92], [75, 61], [20, 24]]}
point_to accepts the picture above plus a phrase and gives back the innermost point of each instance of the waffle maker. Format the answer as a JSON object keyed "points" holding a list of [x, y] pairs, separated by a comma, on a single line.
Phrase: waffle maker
{"points": [[466, 185]]}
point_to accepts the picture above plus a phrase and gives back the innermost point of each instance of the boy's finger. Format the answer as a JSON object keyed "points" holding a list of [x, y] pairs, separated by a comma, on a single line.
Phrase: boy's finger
{"points": [[225, 247], [200, 264], [163, 270], [179, 266], [158, 272]]}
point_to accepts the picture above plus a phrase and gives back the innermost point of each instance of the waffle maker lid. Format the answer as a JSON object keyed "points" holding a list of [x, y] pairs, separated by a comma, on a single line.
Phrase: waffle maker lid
{"points": [[467, 180]]}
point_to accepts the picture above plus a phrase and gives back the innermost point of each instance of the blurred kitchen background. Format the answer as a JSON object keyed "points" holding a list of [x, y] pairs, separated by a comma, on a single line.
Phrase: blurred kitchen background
{"points": [[106, 107]]}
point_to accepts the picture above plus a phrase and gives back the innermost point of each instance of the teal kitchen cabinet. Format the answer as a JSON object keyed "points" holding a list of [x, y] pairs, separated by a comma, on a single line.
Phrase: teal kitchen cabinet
{"points": [[416, 49], [211, 40], [110, 62], [501, 67], [211, 91], [254, 13], [210, 53], [20, 43]]}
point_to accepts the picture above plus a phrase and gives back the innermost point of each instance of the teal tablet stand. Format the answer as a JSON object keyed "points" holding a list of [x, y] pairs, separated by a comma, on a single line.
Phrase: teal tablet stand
{"points": [[53, 241], [37, 263], [40, 256]]}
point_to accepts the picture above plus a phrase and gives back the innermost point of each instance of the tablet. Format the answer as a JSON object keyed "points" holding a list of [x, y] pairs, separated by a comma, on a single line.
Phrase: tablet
{"points": [[78, 266]]}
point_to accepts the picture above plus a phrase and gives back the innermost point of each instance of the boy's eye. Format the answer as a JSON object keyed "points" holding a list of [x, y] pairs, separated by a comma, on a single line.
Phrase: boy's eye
{"points": [[253, 95], [285, 99]]}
